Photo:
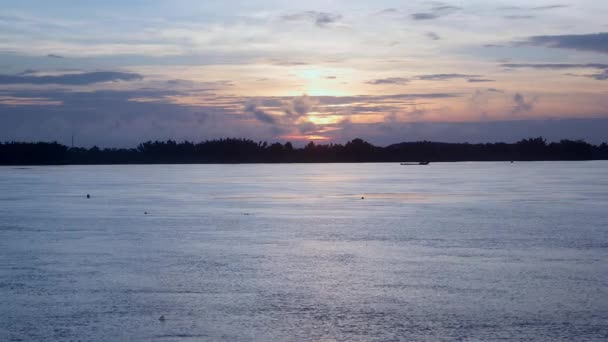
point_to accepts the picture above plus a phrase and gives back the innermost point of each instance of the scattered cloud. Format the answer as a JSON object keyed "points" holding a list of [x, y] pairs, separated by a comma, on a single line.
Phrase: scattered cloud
{"points": [[425, 16], [537, 8], [479, 80], [521, 104], [549, 7], [320, 19], [433, 36], [389, 80], [595, 42], [443, 77], [259, 114], [299, 106], [519, 17], [555, 66], [602, 76], [71, 79], [388, 11], [435, 12]]}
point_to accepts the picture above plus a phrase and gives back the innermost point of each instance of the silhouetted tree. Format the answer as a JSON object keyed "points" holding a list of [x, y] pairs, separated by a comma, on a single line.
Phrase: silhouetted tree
{"points": [[247, 151]]}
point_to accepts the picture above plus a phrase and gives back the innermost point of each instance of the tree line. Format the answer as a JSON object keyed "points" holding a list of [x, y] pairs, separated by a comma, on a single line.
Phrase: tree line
{"points": [[249, 151]]}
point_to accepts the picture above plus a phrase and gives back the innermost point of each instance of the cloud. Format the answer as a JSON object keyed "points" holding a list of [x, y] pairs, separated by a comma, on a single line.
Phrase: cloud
{"points": [[602, 76], [479, 80], [493, 46], [433, 36], [111, 118], [54, 56], [443, 77], [307, 127], [435, 12], [320, 19], [595, 42], [388, 11], [519, 17], [555, 66], [299, 106], [425, 16], [521, 104], [259, 114], [128, 117], [27, 101], [549, 7], [71, 79], [537, 8], [390, 80]]}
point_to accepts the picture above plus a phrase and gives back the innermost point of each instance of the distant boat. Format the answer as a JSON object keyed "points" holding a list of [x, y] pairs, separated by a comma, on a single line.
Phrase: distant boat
{"points": [[419, 163]]}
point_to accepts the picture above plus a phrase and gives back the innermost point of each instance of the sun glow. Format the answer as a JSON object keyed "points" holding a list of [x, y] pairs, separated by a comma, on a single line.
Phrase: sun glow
{"points": [[324, 120]]}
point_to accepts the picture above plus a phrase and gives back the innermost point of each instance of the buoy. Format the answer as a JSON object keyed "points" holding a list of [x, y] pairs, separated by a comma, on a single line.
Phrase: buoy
{"points": [[145, 213], [88, 196], [161, 318], [362, 197]]}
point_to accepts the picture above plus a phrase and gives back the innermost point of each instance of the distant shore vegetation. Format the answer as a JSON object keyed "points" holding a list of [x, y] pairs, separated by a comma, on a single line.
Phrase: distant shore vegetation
{"points": [[249, 151]]}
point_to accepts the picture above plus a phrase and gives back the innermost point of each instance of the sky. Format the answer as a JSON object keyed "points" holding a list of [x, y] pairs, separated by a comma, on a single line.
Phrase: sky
{"points": [[116, 73]]}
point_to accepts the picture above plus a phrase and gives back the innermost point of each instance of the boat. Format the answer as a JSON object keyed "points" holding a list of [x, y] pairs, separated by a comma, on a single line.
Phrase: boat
{"points": [[419, 163]]}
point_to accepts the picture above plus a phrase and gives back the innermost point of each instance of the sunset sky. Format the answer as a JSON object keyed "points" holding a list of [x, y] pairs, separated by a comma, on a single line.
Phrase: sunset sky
{"points": [[115, 73]]}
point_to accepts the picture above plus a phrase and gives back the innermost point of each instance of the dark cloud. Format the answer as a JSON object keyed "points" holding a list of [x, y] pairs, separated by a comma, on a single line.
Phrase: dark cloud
{"points": [[298, 107], [555, 66], [390, 80], [433, 36], [602, 76], [595, 42], [321, 19], [114, 118], [27, 72], [435, 12], [307, 127], [126, 118], [425, 16], [71, 79], [479, 80], [443, 77], [259, 114], [521, 104]]}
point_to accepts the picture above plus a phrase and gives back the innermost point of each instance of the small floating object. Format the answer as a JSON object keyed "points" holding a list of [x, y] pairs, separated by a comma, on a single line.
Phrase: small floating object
{"points": [[145, 213], [362, 197], [418, 163], [162, 318], [88, 196]]}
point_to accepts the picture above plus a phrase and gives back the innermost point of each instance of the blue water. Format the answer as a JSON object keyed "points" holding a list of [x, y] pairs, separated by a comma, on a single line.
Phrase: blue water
{"points": [[445, 252]]}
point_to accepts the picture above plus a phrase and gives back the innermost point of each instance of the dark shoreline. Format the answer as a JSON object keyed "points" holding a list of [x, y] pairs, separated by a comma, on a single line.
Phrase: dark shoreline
{"points": [[243, 151]]}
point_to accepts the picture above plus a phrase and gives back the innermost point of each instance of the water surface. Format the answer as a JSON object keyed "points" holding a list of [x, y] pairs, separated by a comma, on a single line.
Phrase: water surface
{"points": [[445, 252]]}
